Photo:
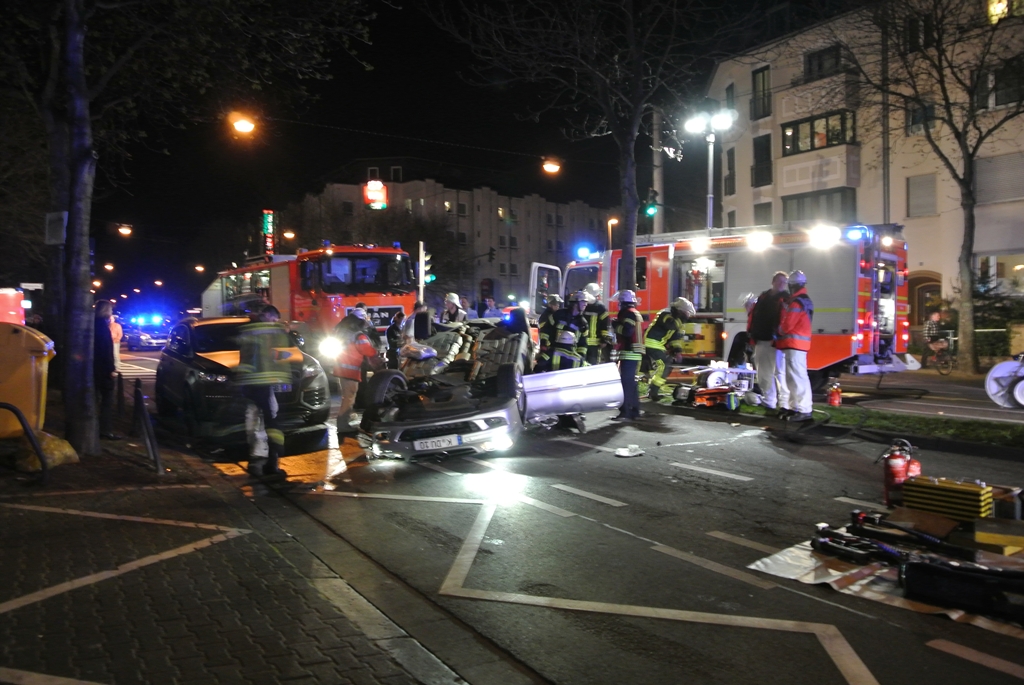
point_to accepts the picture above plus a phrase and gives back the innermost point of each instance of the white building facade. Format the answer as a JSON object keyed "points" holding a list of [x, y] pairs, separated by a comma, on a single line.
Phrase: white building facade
{"points": [[808, 144]]}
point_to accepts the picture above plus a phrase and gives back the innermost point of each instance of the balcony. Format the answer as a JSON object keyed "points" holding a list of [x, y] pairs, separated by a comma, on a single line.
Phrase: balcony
{"points": [[761, 175], [729, 184], [760, 106]]}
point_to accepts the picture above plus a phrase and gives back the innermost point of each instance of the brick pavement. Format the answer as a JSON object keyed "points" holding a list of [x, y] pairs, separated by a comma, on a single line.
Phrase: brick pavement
{"points": [[233, 604]]}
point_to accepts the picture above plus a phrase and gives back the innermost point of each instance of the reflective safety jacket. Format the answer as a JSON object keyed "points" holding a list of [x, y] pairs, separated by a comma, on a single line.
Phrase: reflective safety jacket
{"points": [[356, 347], [258, 359], [665, 334], [546, 326], [629, 334], [559, 357], [565, 321], [795, 329], [598, 324]]}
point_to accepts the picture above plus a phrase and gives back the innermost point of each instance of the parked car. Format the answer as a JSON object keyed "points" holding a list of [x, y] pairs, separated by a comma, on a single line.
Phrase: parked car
{"points": [[146, 336], [195, 376], [474, 396]]}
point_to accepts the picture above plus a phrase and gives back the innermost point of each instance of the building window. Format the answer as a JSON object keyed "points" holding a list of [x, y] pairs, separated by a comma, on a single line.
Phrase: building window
{"points": [[921, 195], [513, 215], [918, 117], [560, 247], [761, 171], [503, 269], [761, 94], [349, 209], [447, 206], [1008, 83], [551, 245], [730, 96], [1001, 9], [763, 214], [827, 130], [550, 220], [463, 209], [502, 242], [372, 173], [408, 205], [998, 179], [559, 220], [396, 174], [730, 218], [729, 182], [513, 242], [918, 34], [837, 204], [513, 269], [822, 63], [501, 212], [463, 238]]}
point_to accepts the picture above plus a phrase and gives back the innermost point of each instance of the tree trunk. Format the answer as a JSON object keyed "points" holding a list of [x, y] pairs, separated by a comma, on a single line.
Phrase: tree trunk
{"points": [[57, 150], [966, 357], [79, 390], [630, 206]]}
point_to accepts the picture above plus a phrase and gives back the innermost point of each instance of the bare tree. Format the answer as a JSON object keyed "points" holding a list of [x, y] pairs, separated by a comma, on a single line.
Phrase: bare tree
{"points": [[950, 73], [603, 63]]}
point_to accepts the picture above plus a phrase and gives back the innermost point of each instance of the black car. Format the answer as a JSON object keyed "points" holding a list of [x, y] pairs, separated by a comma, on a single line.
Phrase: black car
{"points": [[195, 376]]}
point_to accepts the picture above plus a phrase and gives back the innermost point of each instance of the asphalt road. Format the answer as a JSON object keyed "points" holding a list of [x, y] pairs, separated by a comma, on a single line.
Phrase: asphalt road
{"points": [[592, 568]]}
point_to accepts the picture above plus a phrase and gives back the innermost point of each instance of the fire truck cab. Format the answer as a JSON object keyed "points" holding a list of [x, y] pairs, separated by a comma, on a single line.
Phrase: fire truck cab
{"points": [[315, 289], [856, 276]]}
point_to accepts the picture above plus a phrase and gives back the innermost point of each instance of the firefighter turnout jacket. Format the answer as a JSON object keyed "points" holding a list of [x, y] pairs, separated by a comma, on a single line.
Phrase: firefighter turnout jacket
{"points": [[795, 329], [666, 334], [546, 327], [629, 334], [258, 360], [566, 321], [598, 324], [559, 357]]}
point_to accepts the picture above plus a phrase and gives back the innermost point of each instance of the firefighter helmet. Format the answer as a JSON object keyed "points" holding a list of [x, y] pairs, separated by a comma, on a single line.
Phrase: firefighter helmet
{"points": [[554, 298], [452, 297], [798, 278], [594, 290], [578, 296], [626, 297], [566, 338], [359, 313], [684, 306]]}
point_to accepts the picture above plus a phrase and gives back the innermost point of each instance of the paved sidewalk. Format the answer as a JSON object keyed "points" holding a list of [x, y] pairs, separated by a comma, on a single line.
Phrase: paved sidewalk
{"points": [[113, 575]]}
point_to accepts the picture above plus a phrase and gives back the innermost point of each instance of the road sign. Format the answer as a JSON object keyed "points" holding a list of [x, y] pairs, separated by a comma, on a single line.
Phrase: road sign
{"points": [[56, 227], [31, 286]]}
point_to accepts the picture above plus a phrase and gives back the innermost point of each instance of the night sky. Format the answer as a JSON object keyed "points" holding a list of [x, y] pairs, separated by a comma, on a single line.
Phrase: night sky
{"points": [[417, 88]]}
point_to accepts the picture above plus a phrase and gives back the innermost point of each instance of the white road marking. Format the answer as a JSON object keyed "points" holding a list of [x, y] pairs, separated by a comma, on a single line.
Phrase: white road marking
{"points": [[610, 450], [551, 508], [874, 506], [589, 495], [467, 553], [121, 517], [825, 601], [135, 371], [10, 675], [410, 498], [995, 663], [950, 414], [488, 464], [743, 541], [92, 578], [684, 444], [619, 530], [711, 471], [716, 567], [128, 488], [438, 468]]}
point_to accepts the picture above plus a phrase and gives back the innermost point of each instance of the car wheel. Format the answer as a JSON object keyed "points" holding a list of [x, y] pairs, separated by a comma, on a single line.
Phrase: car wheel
{"points": [[384, 386], [510, 385]]}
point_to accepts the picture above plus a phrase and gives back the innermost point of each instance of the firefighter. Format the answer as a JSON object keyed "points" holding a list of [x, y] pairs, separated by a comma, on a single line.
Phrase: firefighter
{"points": [[546, 322], [571, 319], [562, 355], [599, 331], [356, 347], [629, 335], [794, 340], [452, 312], [769, 360], [664, 339], [259, 370]]}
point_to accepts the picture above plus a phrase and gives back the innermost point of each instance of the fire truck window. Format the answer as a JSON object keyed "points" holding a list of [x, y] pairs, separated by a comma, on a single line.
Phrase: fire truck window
{"points": [[641, 273], [703, 282], [260, 283], [578, 277], [306, 271], [382, 273]]}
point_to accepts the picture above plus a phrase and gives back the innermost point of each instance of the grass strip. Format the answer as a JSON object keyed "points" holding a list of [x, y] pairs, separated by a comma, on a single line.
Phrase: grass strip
{"points": [[963, 430]]}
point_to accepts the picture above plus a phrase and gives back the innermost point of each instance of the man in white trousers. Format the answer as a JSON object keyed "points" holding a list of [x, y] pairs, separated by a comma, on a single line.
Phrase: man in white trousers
{"points": [[794, 340], [769, 361]]}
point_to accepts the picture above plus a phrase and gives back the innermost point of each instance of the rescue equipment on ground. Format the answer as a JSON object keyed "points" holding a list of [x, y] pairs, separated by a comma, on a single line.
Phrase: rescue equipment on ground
{"points": [[958, 500], [835, 394], [898, 467]]}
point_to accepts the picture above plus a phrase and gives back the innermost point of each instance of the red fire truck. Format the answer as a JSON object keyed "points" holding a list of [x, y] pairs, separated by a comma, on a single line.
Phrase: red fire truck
{"points": [[315, 289], [856, 276]]}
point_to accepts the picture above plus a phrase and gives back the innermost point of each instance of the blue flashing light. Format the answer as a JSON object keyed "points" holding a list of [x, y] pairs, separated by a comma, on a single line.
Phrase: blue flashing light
{"points": [[584, 252], [135, 319], [157, 319], [854, 234]]}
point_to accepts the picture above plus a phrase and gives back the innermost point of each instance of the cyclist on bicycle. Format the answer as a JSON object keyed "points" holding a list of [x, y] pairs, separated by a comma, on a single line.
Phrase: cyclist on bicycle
{"points": [[933, 338]]}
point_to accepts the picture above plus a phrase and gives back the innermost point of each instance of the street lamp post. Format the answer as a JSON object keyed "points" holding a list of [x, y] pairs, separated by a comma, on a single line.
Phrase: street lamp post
{"points": [[708, 124], [611, 222]]}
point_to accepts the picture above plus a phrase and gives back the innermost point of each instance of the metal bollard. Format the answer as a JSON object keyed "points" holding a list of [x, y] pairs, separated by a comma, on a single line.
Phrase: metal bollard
{"points": [[120, 395], [145, 425]]}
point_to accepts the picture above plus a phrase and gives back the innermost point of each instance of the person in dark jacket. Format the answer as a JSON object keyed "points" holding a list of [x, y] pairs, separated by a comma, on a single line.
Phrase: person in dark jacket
{"points": [[104, 369], [394, 338], [629, 347], [763, 328]]}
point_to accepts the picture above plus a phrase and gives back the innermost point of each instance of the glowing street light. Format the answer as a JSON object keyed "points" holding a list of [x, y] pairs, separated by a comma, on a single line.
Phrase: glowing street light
{"points": [[96, 284], [108, 267], [125, 229], [241, 123], [708, 124], [611, 222], [551, 165], [123, 296], [288, 235], [200, 268], [158, 283], [136, 290]]}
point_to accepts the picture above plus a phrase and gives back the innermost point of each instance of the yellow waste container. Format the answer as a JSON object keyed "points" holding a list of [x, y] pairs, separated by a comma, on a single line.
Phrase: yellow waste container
{"points": [[25, 356]]}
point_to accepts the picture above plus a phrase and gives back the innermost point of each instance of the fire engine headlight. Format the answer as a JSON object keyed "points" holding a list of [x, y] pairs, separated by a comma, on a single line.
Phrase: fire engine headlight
{"points": [[330, 347], [824, 236]]}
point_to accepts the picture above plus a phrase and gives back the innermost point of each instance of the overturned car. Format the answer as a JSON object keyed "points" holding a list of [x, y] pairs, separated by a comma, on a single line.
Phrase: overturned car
{"points": [[471, 394]]}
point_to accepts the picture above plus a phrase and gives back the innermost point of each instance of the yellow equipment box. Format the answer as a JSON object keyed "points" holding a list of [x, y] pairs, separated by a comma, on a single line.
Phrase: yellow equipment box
{"points": [[962, 501]]}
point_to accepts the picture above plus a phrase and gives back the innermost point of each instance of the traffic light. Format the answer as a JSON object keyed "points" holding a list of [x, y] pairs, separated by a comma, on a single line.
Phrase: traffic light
{"points": [[427, 276], [652, 203], [491, 254]]}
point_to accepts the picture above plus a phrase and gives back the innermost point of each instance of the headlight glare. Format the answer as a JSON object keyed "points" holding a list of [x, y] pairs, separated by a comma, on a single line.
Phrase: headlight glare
{"points": [[330, 347]]}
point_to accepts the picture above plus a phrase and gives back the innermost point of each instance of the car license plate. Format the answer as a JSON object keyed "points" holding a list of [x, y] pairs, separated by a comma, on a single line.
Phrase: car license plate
{"points": [[283, 387], [438, 443]]}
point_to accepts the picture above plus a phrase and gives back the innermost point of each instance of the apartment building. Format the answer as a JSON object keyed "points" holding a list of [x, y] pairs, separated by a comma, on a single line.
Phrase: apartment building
{"points": [[808, 143], [522, 229]]}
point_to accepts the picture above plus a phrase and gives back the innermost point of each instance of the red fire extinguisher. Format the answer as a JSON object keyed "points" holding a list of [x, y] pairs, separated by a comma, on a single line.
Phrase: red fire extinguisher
{"points": [[835, 394], [899, 465]]}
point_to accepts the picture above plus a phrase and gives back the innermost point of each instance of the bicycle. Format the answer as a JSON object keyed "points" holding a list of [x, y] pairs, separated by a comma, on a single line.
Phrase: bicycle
{"points": [[944, 360]]}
